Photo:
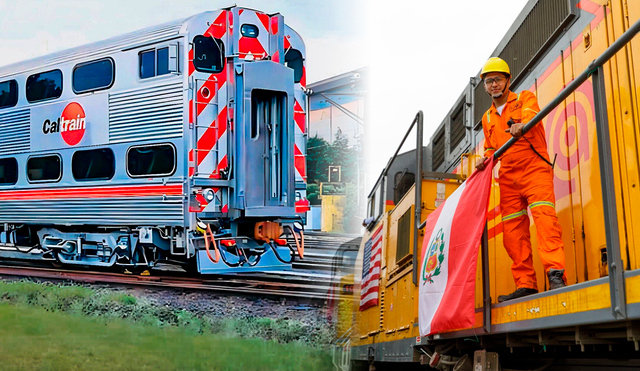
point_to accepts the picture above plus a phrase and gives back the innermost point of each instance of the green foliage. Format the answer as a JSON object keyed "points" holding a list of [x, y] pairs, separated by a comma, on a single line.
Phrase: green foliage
{"points": [[73, 342], [109, 305], [321, 155], [317, 160], [313, 191]]}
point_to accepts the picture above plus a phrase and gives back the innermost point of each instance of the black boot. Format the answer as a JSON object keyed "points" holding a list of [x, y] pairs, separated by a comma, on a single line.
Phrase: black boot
{"points": [[555, 278], [520, 292]]}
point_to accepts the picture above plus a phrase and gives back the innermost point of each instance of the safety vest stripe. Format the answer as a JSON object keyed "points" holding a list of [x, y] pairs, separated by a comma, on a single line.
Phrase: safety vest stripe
{"points": [[541, 203], [488, 118], [515, 215], [532, 110], [518, 96], [489, 149]]}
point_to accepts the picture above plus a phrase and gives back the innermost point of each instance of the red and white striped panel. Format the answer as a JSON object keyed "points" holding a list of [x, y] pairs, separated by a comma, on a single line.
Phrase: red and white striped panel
{"points": [[254, 48], [211, 113], [293, 41]]}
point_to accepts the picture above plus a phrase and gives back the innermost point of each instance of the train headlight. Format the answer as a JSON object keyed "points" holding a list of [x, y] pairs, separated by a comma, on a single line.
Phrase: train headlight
{"points": [[208, 194]]}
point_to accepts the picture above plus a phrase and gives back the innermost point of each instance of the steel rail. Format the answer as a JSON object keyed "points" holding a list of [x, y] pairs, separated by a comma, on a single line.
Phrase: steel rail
{"points": [[231, 286]]}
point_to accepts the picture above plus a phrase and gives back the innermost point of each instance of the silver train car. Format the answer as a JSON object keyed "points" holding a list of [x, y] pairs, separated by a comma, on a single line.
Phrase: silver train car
{"points": [[184, 142]]}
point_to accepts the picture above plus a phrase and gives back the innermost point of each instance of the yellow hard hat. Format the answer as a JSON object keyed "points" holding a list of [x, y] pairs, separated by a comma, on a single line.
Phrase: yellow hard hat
{"points": [[495, 64]]}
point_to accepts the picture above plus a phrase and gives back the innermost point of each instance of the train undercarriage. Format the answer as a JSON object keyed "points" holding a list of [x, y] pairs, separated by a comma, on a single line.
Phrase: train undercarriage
{"points": [[211, 248]]}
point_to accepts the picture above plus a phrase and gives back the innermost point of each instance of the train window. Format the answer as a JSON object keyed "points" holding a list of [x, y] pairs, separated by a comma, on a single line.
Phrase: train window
{"points": [[8, 93], [93, 75], [43, 86], [8, 171], [163, 61], [293, 59], [44, 168], [154, 62], [249, 30], [208, 54], [147, 64], [151, 160], [94, 164]]}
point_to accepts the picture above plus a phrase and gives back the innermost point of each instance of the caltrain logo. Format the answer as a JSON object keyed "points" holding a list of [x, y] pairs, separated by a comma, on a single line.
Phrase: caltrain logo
{"points": [[434, 258], [71, 124]]}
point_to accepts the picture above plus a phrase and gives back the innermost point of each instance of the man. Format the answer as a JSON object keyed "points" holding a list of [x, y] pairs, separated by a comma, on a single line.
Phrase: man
{"points": [[526, 181]]}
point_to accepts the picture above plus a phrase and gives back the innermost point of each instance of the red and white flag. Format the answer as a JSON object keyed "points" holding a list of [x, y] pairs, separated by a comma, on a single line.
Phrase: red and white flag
{"points": [[449, 260], [371, 263]]}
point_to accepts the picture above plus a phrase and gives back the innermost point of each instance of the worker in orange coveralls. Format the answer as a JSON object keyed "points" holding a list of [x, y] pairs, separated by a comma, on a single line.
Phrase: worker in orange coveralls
{"points": [[526, 181]]}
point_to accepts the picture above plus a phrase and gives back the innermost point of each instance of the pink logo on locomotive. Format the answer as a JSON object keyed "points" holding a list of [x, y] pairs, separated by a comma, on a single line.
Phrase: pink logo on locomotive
{"points": [[71, 124]]}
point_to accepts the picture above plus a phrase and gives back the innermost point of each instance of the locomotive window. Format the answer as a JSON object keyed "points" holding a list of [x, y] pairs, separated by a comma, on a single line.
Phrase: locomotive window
{"points": [[249, 30], [293, 59], [8, 171], [45, 168], [153, 160], [208, 54], [42, 86], [94, 75], [95, 164], [147, 64], [8, 93]]}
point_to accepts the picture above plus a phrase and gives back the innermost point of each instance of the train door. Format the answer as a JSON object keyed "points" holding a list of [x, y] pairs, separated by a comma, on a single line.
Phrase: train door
{"points": [[265, 166]]}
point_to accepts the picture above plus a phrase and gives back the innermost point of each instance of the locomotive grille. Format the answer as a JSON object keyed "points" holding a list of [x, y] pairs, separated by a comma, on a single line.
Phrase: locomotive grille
{"points": [[458, 129], [438, 150], [15, 131], [144, 114], [538, 30]]}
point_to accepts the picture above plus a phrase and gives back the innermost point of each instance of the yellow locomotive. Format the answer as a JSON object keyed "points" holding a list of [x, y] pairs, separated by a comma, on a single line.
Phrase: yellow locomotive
{"points": [[581, 60]]}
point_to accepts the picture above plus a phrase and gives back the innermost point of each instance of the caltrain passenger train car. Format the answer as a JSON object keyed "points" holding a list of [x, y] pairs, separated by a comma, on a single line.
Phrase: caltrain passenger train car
{"points": [[581, 59], [183, 142]]}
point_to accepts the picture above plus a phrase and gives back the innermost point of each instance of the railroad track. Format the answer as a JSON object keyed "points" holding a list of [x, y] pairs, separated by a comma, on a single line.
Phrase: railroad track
{"points": [[234, 285], [310, 278]]}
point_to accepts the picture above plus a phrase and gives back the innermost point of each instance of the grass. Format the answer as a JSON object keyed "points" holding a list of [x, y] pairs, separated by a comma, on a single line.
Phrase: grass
{"points": [[52, 327]]}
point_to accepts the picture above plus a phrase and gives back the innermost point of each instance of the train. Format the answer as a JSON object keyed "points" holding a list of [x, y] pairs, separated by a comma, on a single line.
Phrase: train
{"points": [[580, 58], [181, 143]]}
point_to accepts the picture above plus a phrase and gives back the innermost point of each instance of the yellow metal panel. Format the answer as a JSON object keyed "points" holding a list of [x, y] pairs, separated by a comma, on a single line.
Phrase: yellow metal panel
{"points": [[557, 129], [332, 213], [625, 153], [632, 287], [589, 298], [632, 15], [589, 166]]}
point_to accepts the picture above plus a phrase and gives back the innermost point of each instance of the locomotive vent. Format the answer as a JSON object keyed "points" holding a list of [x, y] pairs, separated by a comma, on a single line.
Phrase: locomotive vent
{"points": [[539, 29]]}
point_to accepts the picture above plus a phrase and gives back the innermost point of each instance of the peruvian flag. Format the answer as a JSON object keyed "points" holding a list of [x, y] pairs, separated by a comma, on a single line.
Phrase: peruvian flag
{"points": [[448, 269]]}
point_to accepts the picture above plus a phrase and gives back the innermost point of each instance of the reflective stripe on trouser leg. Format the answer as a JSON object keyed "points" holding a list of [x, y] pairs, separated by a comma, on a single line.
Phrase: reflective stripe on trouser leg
{"points": [[550, 245], [517, 242]]}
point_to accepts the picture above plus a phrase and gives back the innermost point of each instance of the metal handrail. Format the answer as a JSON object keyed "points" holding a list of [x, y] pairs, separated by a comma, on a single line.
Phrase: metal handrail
{"points": [[596, 72], [575, 84]]}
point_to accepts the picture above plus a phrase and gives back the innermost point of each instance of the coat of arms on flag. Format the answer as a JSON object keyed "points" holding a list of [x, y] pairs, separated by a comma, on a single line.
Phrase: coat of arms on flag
{"points": [[450, 252], [434, 258], [371, 263]]}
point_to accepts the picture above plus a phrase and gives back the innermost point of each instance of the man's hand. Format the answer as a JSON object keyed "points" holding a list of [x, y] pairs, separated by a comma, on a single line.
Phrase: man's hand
{"points": [[480, 164], [515, 130]]}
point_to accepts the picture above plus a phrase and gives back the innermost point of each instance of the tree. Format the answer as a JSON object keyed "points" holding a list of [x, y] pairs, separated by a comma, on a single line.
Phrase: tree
{"points": [[317, 160]]}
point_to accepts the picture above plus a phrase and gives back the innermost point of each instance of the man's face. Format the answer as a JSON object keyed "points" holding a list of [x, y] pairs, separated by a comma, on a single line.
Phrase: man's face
{"points": [[495, 83]]}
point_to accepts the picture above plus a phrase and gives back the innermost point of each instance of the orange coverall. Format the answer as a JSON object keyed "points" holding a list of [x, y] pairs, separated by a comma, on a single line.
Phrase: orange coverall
{"points": [[525, 181]]}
